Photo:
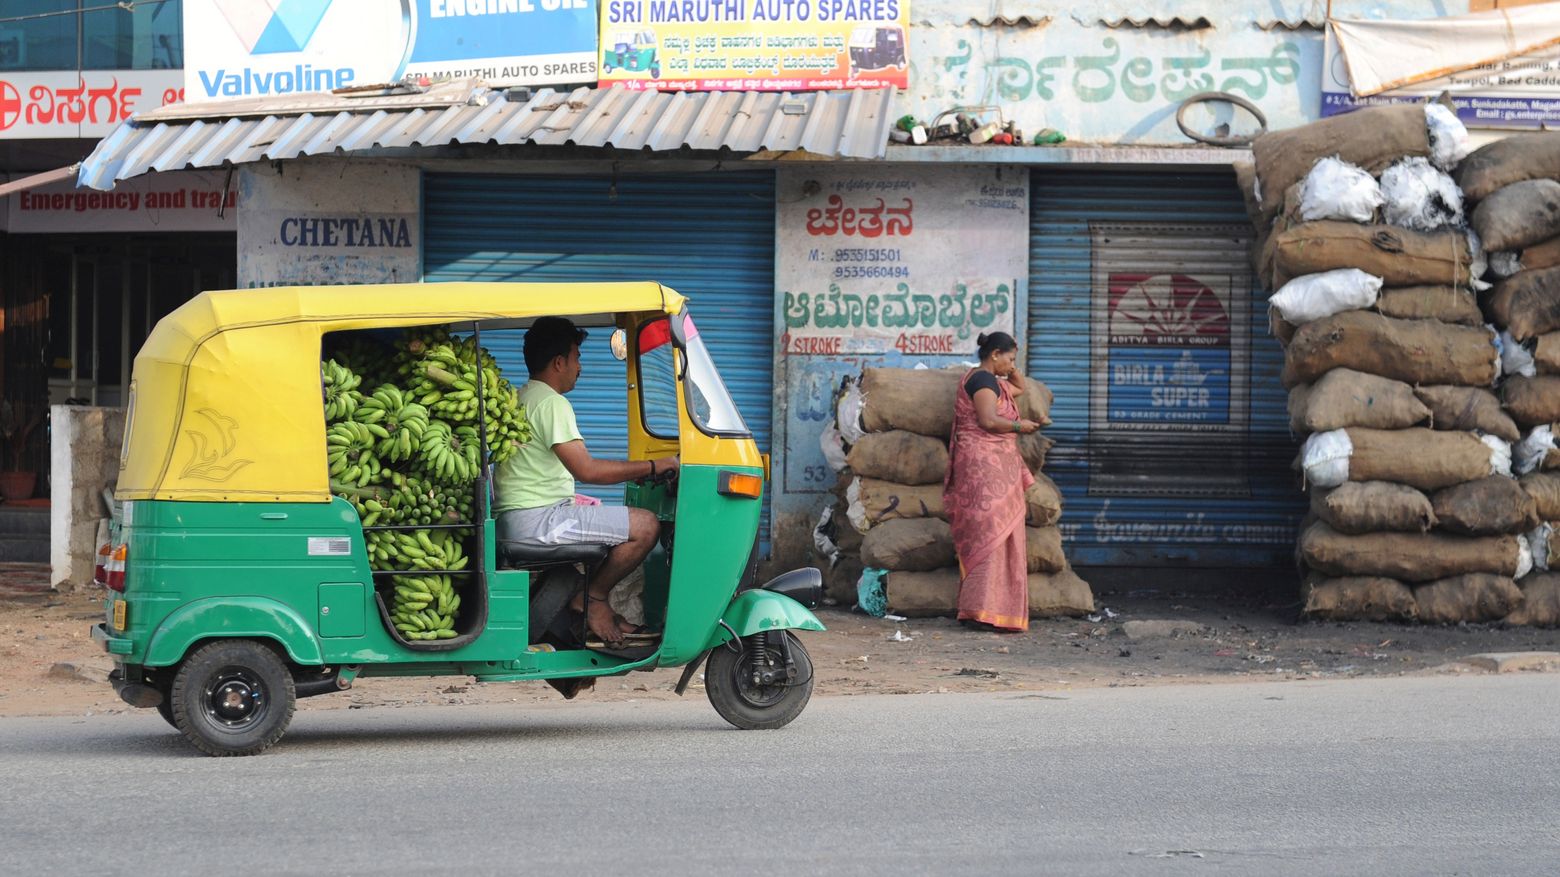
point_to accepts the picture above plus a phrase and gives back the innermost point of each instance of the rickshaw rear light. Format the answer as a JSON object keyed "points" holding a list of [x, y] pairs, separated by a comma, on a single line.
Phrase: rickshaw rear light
{"points": [[100, 569], [114, 579], [739, 484]]}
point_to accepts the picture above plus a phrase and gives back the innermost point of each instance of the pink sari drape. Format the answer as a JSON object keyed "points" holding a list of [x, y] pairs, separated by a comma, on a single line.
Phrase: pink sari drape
{"points": [[983, 493]]}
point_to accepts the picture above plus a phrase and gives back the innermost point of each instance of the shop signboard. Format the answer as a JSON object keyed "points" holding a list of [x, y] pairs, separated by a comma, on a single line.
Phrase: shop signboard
{"points": [[177, 201], [888, 266], [243, 49], [86, 104], [765, 45], [1518, 92]]}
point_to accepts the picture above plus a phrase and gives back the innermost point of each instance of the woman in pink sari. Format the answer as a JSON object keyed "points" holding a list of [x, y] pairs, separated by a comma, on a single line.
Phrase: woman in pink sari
{"points": [[983, 491]]}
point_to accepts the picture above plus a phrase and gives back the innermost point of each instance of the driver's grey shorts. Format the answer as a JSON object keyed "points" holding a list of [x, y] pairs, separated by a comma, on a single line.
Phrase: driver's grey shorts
{"points": [[565, 524]]}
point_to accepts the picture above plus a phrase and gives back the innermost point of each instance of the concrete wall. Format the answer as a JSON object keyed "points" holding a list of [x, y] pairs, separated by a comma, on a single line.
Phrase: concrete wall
{"points": [[84, 459]]}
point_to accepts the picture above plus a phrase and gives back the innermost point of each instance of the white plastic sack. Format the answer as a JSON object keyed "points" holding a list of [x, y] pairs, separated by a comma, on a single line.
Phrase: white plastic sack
{"points": [[854, 510], [1448, 137], [1515, 359], [1335, 189], [1538, 543], [1325, 458], [1500, 454], [847, 414], [1504, 265], [1420, 197], [1314, 296], [1477, 262], [823, 536], [1530, 452], [1524, 557], [833, 446]]}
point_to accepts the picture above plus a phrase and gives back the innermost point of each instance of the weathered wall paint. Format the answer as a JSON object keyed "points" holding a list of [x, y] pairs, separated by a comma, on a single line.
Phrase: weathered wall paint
{"points": [[320, 223]]}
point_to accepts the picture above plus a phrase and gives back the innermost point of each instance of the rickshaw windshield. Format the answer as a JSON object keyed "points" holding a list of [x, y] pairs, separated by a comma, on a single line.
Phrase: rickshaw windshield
{"points": [[709, 403]]}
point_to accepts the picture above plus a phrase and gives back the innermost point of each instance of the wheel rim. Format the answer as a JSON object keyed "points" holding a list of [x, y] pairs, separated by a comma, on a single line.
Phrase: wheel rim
{"points": [[235, 699], [749, 690]]}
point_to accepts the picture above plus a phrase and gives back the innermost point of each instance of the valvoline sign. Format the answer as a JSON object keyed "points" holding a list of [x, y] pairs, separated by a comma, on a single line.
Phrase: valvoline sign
{"points": [[256, 48]]}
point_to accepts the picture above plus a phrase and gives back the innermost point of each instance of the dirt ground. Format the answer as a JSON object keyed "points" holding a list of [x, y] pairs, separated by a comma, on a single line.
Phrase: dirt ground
{"points": [[50, 666]]}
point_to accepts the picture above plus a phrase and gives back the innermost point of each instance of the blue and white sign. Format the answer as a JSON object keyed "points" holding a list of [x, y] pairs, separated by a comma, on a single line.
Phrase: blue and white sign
{"points": [[256, 48]]}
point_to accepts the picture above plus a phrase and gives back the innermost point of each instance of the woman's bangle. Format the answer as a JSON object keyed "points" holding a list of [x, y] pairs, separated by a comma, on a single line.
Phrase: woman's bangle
{"points": [[1017, 426], [652, 468]]}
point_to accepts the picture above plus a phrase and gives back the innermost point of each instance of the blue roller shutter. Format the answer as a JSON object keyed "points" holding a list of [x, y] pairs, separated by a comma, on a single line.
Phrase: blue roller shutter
{"points": [[709, 236], [1173, 440]]}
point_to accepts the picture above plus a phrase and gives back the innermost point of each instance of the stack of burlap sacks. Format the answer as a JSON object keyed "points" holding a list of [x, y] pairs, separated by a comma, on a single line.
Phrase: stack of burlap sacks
{"points": [[889, 513], [1393, 373]]}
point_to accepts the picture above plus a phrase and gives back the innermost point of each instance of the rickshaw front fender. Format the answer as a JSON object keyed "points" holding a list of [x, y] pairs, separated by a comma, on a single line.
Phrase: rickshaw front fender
{"points": [[759, 610], [228, 618]]}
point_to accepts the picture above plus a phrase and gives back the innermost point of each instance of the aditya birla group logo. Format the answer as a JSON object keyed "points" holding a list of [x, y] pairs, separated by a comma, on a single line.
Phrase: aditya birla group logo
{"points": [[269, 27], [1166, 309]]}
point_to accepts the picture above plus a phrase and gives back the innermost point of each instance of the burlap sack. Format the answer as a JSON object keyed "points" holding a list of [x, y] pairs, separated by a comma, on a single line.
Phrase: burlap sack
{"points": [[920, 594], [1398, 256], [1357, 598], [840, 580], [1544, 489], [1491, 506], [1298, 403], [1527, 303], [1545, 254], [1445, 303], [1422, 458], [1059, 594], [1033, 448], [1546, 354], [887, 501], [1372, 137], [1473, 597], [1345, 397], [1518, 216], [920, 400], [1409, 557], [1467, 408], [1506, 161], [1280, 328], [1044, 546], [909, 544], [1532, 401], [1412, 351], [1360, 507], [1540, 601], [1043, 501], [899, 456]]}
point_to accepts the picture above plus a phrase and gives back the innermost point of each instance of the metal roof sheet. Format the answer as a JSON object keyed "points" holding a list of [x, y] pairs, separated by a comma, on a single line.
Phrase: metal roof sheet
{"points": [[850, 122]]}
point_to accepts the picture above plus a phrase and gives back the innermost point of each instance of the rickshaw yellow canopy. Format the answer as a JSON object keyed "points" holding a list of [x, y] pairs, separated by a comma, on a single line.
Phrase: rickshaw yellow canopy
{"points": [[226, 403]]}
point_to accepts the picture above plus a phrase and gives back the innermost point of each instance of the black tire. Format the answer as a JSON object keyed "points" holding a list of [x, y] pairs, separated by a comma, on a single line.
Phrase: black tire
{"points": [[728, 683], [233, 697], [655, 71]]}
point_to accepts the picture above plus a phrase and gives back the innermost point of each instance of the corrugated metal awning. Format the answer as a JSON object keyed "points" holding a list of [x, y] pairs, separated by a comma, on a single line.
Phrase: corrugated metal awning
{"points": [[853, 123]]}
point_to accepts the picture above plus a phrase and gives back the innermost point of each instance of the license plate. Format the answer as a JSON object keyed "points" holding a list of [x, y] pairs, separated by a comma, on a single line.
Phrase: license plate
{"points": [[119, 614]]}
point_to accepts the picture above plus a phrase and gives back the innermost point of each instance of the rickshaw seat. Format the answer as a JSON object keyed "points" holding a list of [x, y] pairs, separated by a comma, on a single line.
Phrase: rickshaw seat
{"points": [[529, 555]]}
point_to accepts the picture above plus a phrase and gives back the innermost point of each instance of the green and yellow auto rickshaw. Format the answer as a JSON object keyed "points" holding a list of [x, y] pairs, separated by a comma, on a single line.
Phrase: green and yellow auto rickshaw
{"points": [[241, 575], [633, 51]]}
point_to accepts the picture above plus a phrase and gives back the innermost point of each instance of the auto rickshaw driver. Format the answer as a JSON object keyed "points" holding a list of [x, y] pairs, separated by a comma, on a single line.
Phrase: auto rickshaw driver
{"points": [[535, 488]]}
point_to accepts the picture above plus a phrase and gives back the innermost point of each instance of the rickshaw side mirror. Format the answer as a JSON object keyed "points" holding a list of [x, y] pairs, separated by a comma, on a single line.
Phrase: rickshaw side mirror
{"points": [[619, 342]]}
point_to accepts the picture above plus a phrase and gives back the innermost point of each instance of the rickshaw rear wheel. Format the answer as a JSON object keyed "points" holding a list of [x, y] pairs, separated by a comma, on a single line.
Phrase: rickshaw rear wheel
{"points": [[233, 697], [747, 702]]}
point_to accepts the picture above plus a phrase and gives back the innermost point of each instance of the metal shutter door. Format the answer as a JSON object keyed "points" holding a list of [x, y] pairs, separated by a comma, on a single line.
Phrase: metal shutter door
{"points": [[1111, 248]]}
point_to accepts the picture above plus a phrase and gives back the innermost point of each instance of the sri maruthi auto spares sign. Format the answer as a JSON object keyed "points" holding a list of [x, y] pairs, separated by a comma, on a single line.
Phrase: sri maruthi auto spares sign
{"points": [[255, 48]]}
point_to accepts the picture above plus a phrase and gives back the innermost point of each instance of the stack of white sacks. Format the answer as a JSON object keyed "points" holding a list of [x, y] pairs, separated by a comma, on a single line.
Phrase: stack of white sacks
{"points": [[890, 443], [1393, 372]]}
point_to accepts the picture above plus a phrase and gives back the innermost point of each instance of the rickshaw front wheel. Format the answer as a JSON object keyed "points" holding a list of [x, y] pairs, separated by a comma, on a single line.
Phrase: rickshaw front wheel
{"points": [[748, 683], [233, 697]]}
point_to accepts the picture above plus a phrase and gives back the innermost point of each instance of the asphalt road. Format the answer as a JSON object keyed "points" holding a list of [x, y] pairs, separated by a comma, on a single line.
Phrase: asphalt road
{"points": [[1389, 776]]}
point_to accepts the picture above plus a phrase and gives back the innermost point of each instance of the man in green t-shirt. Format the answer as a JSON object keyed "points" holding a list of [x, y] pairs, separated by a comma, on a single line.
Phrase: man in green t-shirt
{"points": [[534, 488]]}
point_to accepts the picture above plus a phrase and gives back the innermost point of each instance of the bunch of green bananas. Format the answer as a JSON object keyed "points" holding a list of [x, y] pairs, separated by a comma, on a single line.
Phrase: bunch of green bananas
{"points": [[365, 355], [349, 452], [424, 607], [450, 454], [405, 422], [341, 393], [446, 380]]}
